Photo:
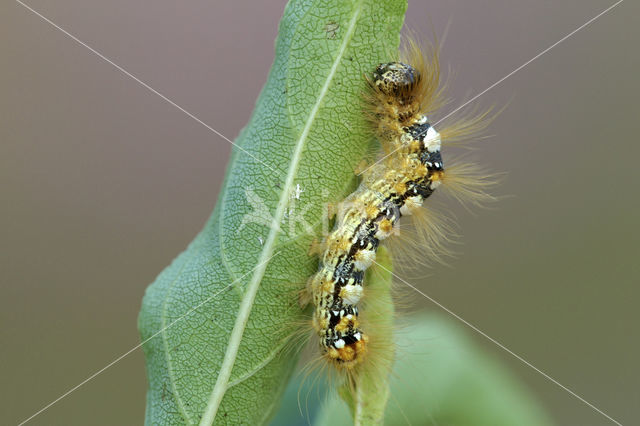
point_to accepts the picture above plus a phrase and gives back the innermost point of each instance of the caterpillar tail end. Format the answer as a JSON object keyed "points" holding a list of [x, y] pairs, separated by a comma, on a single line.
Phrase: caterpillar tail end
{"points": [[350, 355]]}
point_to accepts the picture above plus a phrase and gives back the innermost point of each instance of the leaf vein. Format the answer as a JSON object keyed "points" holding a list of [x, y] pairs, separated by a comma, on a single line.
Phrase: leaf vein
{"points": [[267, 253]]}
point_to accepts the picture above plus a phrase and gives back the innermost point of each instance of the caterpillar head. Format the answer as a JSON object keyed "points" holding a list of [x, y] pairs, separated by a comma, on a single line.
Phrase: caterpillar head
{"points": [[396, 79]]}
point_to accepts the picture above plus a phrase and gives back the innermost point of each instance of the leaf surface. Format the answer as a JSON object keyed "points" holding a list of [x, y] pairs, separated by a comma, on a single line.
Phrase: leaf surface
{"points": [[216, 324]]}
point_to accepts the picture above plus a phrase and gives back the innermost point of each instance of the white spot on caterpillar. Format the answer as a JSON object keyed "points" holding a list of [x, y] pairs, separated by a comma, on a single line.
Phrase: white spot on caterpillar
{"points": [[357, 336], [364, 259], [351, 294], [339, 344], [432, 140], [410, 205]]}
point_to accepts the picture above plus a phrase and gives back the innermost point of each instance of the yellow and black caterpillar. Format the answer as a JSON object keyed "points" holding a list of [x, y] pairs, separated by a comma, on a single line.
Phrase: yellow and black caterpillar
{"points": [[411, 169]]}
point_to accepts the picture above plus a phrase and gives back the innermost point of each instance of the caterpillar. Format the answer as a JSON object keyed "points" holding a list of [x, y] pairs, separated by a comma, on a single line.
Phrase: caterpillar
{"points": [[400, 95]]}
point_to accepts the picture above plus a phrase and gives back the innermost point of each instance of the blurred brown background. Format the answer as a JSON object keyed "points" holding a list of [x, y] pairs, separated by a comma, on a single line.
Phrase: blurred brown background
{"points": [[103, 183]]}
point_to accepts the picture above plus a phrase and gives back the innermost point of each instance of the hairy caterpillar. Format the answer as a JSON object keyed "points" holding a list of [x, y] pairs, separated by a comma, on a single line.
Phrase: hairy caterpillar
{"points": [[401, 94]]}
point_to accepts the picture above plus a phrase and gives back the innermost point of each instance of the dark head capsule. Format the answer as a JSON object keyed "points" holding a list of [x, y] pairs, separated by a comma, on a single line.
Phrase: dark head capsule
{"points": [[395, 78]]}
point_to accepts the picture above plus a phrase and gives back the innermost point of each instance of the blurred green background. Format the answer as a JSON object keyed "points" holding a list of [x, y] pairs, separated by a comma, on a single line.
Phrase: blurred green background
{"points": [[103, 183]]}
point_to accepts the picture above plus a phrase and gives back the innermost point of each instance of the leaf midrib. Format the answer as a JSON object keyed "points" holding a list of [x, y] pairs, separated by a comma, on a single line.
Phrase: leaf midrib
{"points": [[267, 252]]}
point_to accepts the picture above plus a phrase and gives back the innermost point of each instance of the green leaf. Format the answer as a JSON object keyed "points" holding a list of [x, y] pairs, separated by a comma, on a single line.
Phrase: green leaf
{"points": [[216, 324], [441, 378]]}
